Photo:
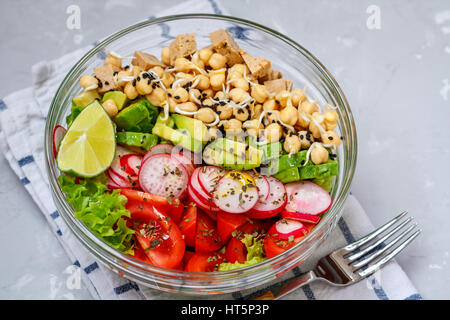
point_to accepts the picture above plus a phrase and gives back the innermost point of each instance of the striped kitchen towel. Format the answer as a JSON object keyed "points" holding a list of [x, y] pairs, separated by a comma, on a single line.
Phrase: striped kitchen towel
{"points": [[22, 121]]}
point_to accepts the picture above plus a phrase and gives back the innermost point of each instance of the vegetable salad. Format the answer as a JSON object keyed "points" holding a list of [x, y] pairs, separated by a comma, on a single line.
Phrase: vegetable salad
{"points": [[201, 160]]}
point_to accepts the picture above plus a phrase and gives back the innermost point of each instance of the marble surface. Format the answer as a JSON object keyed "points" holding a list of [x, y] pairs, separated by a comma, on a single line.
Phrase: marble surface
{"points": [[396, 79]]}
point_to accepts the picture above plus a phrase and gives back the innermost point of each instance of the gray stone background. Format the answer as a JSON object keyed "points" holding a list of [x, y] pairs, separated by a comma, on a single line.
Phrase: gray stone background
{"points": [[396, 80]]}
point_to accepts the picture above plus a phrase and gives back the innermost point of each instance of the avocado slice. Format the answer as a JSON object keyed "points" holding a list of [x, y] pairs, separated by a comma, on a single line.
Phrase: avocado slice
{"points": [[138, 117], [286, 162], [177, 137], [326, 183], [119, 98], [196, 128], [320, 171], [85, 98], [268, 151], [214, 154], [288, 175], [76, 110], [168, 122], [137, 139]]}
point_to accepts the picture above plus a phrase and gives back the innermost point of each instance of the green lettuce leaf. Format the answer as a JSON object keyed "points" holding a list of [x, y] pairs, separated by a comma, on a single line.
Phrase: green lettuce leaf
{"points": [[255, 254], [100, 210]]}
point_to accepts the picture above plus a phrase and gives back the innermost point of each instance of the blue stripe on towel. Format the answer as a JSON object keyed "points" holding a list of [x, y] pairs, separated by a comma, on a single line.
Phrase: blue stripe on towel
{"points": [[3, 105], [25, 160], [91, 268], [215, 7], [126, 287], [25, 181], [414, 296], [54, 214], [377, 288], [58, 232]]}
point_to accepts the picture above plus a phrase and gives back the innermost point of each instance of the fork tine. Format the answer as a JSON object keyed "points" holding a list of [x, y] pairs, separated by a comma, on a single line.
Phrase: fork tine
{"points": [[378, 253], [388, 257], [361, 253], [370, 236]]}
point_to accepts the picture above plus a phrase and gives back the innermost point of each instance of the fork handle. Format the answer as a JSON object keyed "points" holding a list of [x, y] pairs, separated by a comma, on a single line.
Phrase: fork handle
{"points": [[282, 289]]}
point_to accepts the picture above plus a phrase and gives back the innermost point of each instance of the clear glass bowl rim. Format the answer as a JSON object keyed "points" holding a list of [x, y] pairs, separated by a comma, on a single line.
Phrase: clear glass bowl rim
{"points": [[124, 263]]}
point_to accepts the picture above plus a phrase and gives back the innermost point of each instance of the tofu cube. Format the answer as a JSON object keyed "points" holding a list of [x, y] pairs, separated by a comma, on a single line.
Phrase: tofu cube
{"points": [[277, 85], [146, 61], [272, 74], [259, 67], [223, 43], [105, 76], [183, 46]]}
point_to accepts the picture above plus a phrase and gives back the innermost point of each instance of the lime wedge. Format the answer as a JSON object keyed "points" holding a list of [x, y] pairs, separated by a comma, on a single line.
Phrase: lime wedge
{"points": [[89, 146]]}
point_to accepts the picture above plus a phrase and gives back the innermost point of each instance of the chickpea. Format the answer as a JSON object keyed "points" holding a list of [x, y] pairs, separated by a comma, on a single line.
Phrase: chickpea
{"points": [[203, 82], [217, 61], [282, 97], [252, 127], [232, 126], [136, 71], [241, 114], [225, 112], [259, 93], [255, 111], [198, 62], [273, 116], [180, 95], [208, 102], [270, 105], [289, 115], [205, 54], [217, 80], [309, 107], [158, 70], [240, 69], [272, 133], [182, 64], [319, 154], [87, 80], [114, 61], [298, 96], [195, 93], [130, 91], [330, 126], [331, 137], [184, 75], [331, 116], [172, 104], [316, 131], [187, 106], [241, 83], [233, 75], [305, 139], [214, 132], [238, 95], [220, 95], [157, 97], [143, 86], [110, 107], [167, 79], [208, 93], [165, 55], [303, 121], [122, 74], [205, 115], [292, 143]]}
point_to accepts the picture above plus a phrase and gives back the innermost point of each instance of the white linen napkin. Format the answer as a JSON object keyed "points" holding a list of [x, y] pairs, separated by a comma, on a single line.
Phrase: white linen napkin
{"points": [[22, 122]]}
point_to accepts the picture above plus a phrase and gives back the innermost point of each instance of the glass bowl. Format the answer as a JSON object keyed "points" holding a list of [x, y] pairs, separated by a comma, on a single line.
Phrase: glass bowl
{"points": [[294, 61]]}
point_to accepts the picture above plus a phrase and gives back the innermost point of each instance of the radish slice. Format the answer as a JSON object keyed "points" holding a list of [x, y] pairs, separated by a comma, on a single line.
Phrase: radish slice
{"points": [[274, 204], [119, 170], [195, 159], [232, 196], [307, 197], [131, 163], [200, 203], [57, 135], [204, 197], [185, 162], [208, 177], [157, 149], [262, 184], [162, 175], [119, 181], [290, 228], [303, 217]]}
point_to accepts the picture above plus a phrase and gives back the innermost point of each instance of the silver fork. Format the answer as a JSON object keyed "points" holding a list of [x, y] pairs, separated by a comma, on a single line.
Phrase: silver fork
{"points": [[352, 263]]}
